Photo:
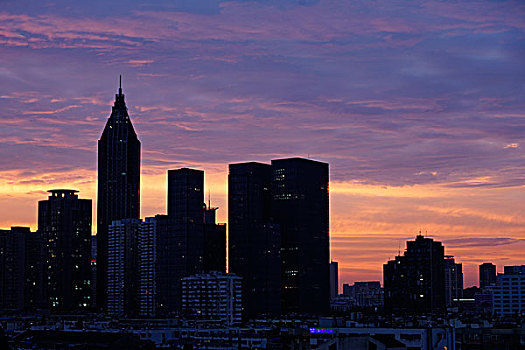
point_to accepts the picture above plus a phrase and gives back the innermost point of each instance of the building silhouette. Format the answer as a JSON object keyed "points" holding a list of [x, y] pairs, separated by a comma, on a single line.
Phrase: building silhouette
{"points": [[13, 268], [213, 297], [64, 225], [300, 205], [214, 242], [278, 217], [147, 276], [487, 275], [453, 281], [118, 183], [123, 267], [184, 233], [334, 279], [254, 250], [415, 282]]}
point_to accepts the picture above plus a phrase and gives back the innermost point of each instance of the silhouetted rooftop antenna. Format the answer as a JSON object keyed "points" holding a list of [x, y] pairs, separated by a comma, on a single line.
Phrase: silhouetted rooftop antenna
{"points": [[209, 198], [120, 85]]}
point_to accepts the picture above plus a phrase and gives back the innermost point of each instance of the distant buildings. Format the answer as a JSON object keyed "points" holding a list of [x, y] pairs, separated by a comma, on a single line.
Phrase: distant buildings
{"points": [[487, 275], [364, 294], [334, 279], [118, 183], [415, 282], [509, 294], [213, 297], [64, 225], [453, 281]]}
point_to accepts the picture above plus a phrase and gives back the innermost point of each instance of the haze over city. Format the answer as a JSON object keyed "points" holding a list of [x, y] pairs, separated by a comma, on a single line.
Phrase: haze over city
{"points": [[418, 109]]}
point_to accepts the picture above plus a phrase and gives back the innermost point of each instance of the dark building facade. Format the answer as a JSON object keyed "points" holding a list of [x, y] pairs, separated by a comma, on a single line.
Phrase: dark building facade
{"points": [[334, 279], [214, 242], [415, 282], [64, 225], [453, 281], [300, 205], [254, 240], [487, 275], [123, 267], [12, 267], [180, 237], [118, 183]]}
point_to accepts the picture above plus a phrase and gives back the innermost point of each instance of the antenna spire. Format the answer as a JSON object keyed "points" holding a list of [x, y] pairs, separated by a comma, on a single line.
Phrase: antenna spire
{"points": [[120, 85], [209, 198]]}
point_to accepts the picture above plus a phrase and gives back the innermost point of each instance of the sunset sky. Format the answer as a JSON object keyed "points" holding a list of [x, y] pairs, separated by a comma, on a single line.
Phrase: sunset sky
{"points": [[418, 106]]}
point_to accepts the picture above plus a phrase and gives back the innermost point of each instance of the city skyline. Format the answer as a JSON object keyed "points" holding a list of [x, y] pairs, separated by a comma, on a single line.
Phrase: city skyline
{"points": [[429, 138]]}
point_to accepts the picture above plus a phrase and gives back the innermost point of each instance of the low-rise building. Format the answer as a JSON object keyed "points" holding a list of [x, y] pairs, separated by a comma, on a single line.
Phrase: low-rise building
{"points": [[214, 296]]}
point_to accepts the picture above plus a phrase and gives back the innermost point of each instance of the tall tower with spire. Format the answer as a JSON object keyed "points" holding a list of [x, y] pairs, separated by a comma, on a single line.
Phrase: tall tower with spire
{"points": [[118, 183]]}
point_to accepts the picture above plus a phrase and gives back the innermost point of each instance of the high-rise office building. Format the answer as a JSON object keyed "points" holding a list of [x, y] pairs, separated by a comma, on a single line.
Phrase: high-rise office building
{"points": [[12, 268], [214, 242], [123, 267], [300, 205], [509, 292], [64, 224], [147, 286], [453, 281], [487, 275], [334, 279], [180, 236], [254, 240], [415, 282], [118, 183], [186, 213]]}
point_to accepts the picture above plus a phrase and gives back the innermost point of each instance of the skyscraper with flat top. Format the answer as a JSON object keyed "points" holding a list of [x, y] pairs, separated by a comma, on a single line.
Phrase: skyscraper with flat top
{"points": [[64, 224], [487, 275], [300, 206], [118, 183], [254, 240]]}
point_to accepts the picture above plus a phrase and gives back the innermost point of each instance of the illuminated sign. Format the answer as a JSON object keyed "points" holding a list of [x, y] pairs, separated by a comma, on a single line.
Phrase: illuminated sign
{"points": [[321, 330]]}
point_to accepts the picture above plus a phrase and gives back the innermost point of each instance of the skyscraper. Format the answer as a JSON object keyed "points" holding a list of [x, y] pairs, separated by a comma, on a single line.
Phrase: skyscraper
{"points": [[300, 205], [64, 223], [12, 267], [415, 282], [147, 286], [214, 242], [487, 275], [123, 267], [180, 236], [453, 281], [118, 183], [254, 240]]}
